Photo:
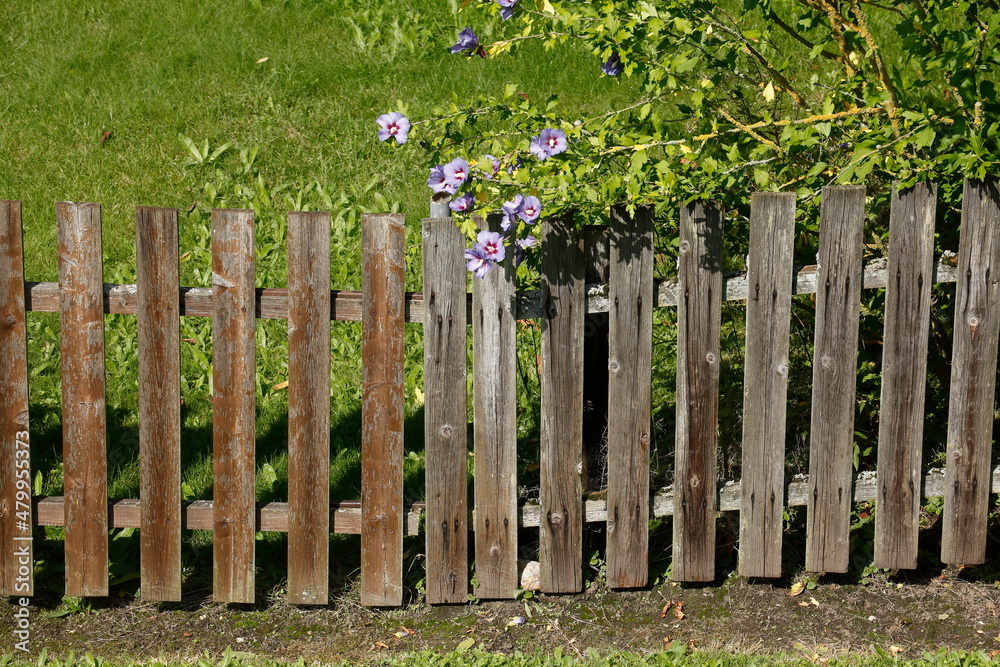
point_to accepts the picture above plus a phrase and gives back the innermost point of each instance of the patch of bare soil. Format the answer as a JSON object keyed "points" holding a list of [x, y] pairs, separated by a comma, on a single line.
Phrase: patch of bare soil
{"points": [[738, 615]]}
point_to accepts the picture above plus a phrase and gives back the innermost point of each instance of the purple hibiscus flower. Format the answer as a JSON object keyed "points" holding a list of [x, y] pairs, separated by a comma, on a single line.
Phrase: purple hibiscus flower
{"points": [[613, 65], [393, 124], [550, 142], [438, 183], [463, 204], [506, 8], [456, 172], [511, 210], [476, 263], [468, 41], [520, 247], [494, 164], [490, 246], [530, 209]]}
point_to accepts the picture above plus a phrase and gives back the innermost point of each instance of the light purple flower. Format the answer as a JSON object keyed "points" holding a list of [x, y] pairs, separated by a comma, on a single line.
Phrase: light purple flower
{"points": [[506, 8], [550, 142], [490, 246], [463, 204], [475, 262], [520, 247], [530, 209], [467, 41], [456, 172], [495, 164], [613, 65], [511, 210], [437, 181], [393, 124]]}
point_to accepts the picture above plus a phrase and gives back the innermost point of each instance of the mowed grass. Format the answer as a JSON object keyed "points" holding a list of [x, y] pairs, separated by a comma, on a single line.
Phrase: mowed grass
{"points": [[96, 95]]}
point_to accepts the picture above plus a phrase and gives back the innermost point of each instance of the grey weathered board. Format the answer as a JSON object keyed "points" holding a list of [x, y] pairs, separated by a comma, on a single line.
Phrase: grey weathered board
{"points": [[699, 322], [308, 407], [383, 247], [495, 429], [17, 565], [973, 377], [630, 322], [158, 327], [81, 325], [765, 382], [233, 404], [561, 436], [831, 439], [904, 375], [445, 412]]}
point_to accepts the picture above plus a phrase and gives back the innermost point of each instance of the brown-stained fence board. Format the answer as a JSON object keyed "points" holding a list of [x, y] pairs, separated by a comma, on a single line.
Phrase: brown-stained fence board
{"points": [[445, 412], [158, 327], [630, 322], [765, 383], [382, 410], [308, 407], [561, 491], [16, 565], [831, 440], [973, 377], [81, 324], [904, 375], [495, 429], [233, 404], [699, 322]]}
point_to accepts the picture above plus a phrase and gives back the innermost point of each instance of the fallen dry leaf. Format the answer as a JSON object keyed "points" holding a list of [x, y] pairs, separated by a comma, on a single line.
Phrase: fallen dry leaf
{"points": [[280, 385], [797, 588], [666, 608], [678, 611]]}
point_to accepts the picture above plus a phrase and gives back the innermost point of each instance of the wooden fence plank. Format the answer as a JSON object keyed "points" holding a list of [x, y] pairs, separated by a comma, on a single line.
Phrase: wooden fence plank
{"points": [[765, 383], [446, 412], [831, 446], [17, 564], [382, 410], [595, 365], [973, 377], [158, 327], [308, 407], [495, 429], [561, 490], [904, 375], [233, 403], [81, 324], [629, 395], [699, 322]]}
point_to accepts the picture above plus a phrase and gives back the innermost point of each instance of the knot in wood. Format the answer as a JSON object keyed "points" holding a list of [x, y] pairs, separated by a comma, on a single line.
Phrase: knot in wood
{"points": [[782, 370], [825, 361], [446, 431], [10, 320], [556, 518], [973, 321], [614, 366], [495, 550], [710, 357], [685, 246]]}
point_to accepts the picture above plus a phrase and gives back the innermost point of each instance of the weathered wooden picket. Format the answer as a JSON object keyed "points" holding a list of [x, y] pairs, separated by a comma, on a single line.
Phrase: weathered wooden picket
{"points": [[562, 305]]}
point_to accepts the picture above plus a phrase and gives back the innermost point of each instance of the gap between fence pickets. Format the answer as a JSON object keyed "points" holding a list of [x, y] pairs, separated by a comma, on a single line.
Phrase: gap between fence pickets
{"points": [[345, 305]]}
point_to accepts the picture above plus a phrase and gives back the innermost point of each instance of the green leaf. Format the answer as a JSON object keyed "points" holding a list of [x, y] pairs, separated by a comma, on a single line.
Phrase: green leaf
{"points": [[465, 645]]}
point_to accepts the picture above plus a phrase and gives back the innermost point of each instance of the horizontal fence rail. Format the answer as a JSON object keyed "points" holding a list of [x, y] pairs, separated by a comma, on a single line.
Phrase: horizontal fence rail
{"points": [[594, 310]]}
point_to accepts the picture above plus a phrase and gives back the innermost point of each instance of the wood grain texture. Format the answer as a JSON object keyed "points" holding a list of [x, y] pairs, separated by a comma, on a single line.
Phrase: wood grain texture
{"points": [[904, 375], [831, 440], [158, 327], [383, 247], [233, 404], [81, 325], [973, 377], [308, 407], [446, 412], [596, 241], [699, 321], [495, 430], [562, 324], [17, 564], [629, 394], [765, 383]]}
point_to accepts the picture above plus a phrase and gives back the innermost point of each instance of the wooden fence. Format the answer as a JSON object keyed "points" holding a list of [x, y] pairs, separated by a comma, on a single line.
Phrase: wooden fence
{"points": [[564, 300]]}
